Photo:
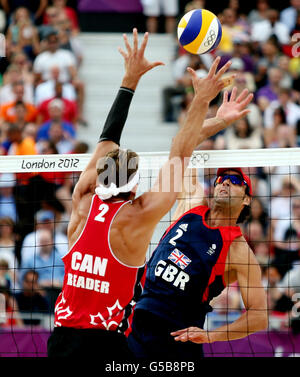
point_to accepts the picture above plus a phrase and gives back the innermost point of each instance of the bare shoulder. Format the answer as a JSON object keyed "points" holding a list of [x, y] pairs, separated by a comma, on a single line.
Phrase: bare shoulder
{"points": [[240, 254]]}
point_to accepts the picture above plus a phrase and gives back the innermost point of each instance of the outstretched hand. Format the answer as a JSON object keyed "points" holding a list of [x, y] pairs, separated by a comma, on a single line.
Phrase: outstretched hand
{"points": [[136, 65], [192, 334], [235, 108], [206, 89]]}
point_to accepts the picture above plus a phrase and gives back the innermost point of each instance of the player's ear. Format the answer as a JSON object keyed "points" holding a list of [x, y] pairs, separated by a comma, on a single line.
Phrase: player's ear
{"points": [[247, 200]]}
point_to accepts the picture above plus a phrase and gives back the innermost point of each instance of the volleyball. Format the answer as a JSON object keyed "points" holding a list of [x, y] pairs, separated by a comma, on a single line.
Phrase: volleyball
{"points": [[199, 31]]}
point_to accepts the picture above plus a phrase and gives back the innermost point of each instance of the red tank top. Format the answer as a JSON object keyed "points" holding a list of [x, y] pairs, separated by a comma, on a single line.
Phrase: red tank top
{"points": [[97, 286]]}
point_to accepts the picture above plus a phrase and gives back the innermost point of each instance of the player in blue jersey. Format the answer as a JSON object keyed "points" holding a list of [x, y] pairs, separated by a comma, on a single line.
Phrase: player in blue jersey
{"points": [[200, 254]]}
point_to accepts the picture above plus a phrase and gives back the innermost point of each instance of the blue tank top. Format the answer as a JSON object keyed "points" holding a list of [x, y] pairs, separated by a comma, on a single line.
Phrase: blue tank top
{"points": [[186, 270]]}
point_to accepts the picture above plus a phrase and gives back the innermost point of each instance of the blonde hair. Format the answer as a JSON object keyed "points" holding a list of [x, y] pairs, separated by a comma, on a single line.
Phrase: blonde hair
{"points": [[118, 167]]}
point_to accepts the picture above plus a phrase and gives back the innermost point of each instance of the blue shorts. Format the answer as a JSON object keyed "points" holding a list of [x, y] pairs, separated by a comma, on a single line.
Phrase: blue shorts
{"points": [[150, 339]]}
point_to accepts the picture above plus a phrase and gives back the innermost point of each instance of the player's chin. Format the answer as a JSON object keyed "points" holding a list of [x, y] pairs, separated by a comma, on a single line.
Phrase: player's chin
{"points": [[222, 198]]}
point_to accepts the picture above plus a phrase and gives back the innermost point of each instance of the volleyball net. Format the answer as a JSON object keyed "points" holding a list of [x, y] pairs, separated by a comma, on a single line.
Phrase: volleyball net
{"points": [[35, 209]]}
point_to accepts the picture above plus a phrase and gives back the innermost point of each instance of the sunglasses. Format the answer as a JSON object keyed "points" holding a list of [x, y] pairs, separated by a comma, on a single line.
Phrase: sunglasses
{"points": [[234, 179]]}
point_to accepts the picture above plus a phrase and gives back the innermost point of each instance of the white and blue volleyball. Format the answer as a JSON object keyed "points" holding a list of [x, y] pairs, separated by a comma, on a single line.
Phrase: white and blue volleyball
{"points": [[199, 31]]}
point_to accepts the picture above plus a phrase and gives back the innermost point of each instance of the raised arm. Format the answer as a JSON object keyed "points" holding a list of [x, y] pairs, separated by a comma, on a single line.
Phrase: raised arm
{"points": [[192, 194], [136, 65], [230, 111], [160, 199]]}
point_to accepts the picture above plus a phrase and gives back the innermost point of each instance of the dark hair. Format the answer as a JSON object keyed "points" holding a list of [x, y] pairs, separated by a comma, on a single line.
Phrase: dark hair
{"points": [[34, 272], [249, 128], [245, 213], [280, 111]]}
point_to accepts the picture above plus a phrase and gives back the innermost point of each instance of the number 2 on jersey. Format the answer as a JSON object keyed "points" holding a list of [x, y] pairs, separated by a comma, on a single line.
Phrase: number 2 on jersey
{"points": [[178, 235], [103, 208]]}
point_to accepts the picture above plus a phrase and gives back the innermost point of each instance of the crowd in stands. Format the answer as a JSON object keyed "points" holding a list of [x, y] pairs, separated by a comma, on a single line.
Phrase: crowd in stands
{"points": [[41, 107]]}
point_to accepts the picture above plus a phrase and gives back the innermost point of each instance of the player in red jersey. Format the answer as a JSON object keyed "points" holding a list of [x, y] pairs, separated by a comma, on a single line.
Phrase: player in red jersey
{"points": [[109, 231]]}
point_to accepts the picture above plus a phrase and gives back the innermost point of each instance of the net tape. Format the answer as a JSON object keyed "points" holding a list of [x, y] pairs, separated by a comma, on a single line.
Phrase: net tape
{"points": [[155, 160]]}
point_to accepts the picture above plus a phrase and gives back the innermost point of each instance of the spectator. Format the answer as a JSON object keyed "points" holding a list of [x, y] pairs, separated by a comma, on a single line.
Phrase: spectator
{"points": [[22, 35], [56, 116], [24, 65], [8, 110], [277, 300], [262, 253], [31, 299], [279, 135], [13, 76], [69, 107], [44, 219], [8, 249], [287, 234], [232, 30], [260, 13], [284, 65], [12, 314], [290, 283], [153, 9], [8, 205], [46, 260], [68, 40], [254, 233], [289, 15], [280, 208], [258, 213], [20, 145], [269, 92], [263, 30], [69, 13], [243, 136], [47, 90], [5, 277], [62, 140], [36, 8], [55, 56], [285, 103]]}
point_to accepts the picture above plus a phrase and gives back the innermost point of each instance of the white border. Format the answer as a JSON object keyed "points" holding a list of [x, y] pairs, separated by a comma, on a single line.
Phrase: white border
{"points": [[155, 160]]}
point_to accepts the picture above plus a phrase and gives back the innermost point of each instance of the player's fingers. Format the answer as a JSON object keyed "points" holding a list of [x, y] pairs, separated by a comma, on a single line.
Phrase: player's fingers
{"points": [[144, 43], [233, 95], [128, 47], [182, 337], [156, 64], [246, 101], [244, 113], [242, 96], [135, 40], [225, 96], [214, 67], [122, 52], [223, 69], [192, 73], [179, 332]]}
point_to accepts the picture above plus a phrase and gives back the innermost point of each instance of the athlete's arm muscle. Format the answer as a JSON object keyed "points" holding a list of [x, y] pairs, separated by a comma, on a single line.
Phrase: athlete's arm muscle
{"points": [[243, 263], [161, 198], [136, 65], [192, 194]]}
